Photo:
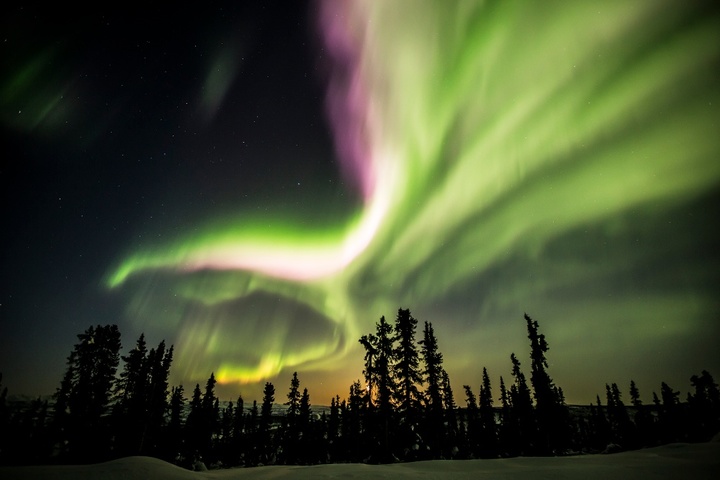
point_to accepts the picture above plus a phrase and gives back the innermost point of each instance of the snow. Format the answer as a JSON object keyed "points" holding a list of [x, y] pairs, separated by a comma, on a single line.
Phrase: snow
{"points": [[680, 460]]}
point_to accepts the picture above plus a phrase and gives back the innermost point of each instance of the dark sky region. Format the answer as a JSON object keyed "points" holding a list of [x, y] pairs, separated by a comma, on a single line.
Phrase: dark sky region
{"points": [[258, 182]]}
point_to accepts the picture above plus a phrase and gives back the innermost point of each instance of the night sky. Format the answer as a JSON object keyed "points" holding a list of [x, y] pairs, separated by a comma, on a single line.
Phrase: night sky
{"points": [[258, 182]]}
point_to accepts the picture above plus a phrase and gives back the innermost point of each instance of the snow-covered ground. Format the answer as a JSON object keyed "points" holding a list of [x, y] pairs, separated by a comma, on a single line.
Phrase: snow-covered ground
{"points": [[676, 461]]}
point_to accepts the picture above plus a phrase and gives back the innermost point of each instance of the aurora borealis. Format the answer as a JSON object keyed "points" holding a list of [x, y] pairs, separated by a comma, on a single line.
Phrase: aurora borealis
{"points": [[265, 183]]}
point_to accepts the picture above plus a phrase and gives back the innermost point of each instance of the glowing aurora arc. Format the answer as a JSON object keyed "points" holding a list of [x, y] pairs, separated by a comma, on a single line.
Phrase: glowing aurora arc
{"points": [[476, 134]]}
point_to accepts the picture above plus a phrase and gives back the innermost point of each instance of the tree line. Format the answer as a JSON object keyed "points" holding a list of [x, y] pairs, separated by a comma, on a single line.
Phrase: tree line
{"points": [[404, 410]]}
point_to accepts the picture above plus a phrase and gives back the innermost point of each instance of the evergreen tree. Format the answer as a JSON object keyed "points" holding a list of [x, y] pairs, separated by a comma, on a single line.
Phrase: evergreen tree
{"points": [[239, 417], [333, 430], [618, 417], [383, 368], [368, 342], [224, 447], [643, 420], [432, 373], [470, 399], [670, 415], [83, 398], [292, 429], [450, 448], [130, 388], [227, 422], [407, 374], [305, 411], [208, 399], [600, 427], [238, 444], [305, 430], [657, 426], [293, 396], [61, 417], [406, 367], [159, 361], [209, 420], [353, 432], [131, 391], [195, 428], [142, 399], [266, 446], [522, 411], [704, 407], [635, 395], [488, 428], [473, 429], [509, 430], [551, 413], [173, 436], [379, 358], [253, 433]]}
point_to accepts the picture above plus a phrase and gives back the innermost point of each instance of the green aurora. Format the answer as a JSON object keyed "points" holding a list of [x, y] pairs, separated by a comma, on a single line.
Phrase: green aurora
{"points": [[552, 157]]}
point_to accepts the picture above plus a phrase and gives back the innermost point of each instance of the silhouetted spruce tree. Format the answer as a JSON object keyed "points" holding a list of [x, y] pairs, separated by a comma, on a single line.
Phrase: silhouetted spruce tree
{"points": [[379, 359], [635, 395], [509, 430], [292, 430], [266, 446], [354, 420], [408, 376], [173, 444], [319, 430], [195, 429], [644, 427], [488, 429], [618, 418], [293, 402], [383, 369], [522, 412], [600, 427], [472, 419], [159, 362], [306, 434], [225, 444], [658, 424], [333, 430], [368, 342], [670, 415], [83, 398], [130, 387], [252, 432], [133, 377], [703, 408], [432, 373], [142, 399], [130, 390], [451, 433], [210, 415], [239, 433], [610, 402], [551, 414]]}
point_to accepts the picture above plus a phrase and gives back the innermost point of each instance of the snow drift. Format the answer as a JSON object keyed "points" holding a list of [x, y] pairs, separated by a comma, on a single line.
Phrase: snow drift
{"points": [[675, 461]]}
